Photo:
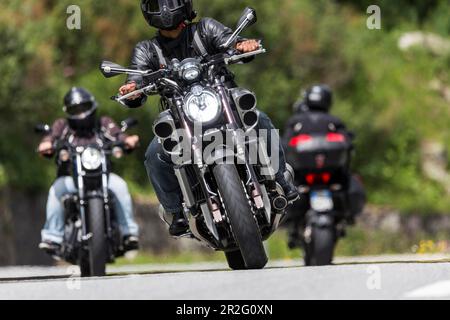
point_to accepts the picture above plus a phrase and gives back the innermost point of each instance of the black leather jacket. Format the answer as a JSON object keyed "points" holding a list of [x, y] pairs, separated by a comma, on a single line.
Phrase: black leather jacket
{"points": [[213, 34]]}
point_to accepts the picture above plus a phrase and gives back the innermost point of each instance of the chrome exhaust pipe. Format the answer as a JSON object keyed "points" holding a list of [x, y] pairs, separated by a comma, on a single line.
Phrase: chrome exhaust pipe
{"points": [[244, 99], [250, 119], [164, 126], [172, 146]]}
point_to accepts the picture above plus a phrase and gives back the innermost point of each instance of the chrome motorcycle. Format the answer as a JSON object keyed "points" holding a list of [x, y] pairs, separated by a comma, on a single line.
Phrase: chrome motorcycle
{"points": [[91, 235], [232, 203]]}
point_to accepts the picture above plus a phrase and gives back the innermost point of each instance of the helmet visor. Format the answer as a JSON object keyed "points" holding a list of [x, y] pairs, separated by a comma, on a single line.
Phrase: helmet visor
{"points": [[81, 109], [154, 6]]}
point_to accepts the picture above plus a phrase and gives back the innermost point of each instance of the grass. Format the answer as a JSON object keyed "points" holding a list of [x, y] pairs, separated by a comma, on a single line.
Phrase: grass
{"points": [[276, 246]]}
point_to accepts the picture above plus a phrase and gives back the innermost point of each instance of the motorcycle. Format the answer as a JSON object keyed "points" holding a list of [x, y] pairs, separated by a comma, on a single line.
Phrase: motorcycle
{"points": [[91, 234], [231, 203], [321, 164]]}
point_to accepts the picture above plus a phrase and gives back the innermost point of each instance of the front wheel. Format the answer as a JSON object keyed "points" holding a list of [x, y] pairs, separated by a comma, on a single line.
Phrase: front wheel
{"points": [[93, 263], [320, 250], [243, 224], [235, 260]]}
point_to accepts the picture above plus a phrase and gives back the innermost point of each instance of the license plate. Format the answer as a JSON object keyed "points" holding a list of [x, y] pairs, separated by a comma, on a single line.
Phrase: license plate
{"points": [[322, 201]]}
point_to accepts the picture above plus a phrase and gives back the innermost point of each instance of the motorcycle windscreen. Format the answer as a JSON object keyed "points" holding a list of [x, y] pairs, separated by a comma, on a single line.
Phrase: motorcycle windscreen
{"points": [[321, 201]]}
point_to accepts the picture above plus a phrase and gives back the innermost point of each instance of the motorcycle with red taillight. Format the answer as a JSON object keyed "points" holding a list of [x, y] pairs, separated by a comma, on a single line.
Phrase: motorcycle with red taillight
{"points": [[331, 196]]}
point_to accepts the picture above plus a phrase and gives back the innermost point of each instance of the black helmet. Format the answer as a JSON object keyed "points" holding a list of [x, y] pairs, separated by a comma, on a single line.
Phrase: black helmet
{"points": [[80, 107], [319, 97], [167, 14]]}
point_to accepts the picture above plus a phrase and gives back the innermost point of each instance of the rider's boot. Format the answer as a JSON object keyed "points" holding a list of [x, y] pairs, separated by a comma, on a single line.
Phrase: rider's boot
{"points": [[179, 224], [130, 243], [52, 248]]}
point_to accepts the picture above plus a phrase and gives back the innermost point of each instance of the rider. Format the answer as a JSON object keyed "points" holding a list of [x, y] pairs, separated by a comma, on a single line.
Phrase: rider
{"points": [[312, 114], [179, 38], [82, 127], [312, 117]]}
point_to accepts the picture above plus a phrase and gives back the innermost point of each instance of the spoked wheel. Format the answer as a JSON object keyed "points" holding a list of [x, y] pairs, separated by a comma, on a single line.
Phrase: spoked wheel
{"points": [[319, 252], [93, 262], [243, 223]]}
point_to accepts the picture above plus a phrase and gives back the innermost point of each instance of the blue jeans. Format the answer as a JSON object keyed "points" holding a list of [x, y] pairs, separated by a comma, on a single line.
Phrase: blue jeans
{"points": [[160, 169], [54, 226]]}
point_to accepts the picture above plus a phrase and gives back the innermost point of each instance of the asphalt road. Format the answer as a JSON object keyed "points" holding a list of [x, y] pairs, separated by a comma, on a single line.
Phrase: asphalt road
{"points": [[387, 277]]}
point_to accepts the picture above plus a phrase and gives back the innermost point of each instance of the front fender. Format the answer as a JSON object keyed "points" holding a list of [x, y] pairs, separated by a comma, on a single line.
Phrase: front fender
{"points": [[221, 154]]}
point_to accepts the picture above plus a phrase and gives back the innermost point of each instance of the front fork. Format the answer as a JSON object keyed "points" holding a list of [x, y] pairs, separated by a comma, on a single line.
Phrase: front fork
{"points": [[256, 191], [85, 234], [106, 200]]}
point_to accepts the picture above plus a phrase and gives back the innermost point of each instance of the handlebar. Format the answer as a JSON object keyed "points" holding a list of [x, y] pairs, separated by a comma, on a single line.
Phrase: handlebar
{"points": [[108, 147], [163, 74], [237, 58]]}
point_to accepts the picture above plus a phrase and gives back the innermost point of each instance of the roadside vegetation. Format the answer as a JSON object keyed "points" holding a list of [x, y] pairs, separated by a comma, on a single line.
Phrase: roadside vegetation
{"points": [[359, 242], [384, 94]]}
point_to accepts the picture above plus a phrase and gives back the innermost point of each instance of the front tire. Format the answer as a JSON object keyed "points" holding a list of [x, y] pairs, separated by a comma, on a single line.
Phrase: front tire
{"points": [[320, 251], [93, 263], [235, 260], [243, 223]]}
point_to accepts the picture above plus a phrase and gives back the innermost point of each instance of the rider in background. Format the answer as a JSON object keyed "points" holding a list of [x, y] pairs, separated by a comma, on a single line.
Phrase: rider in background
{"points": [[82, 127], [312, 117]]}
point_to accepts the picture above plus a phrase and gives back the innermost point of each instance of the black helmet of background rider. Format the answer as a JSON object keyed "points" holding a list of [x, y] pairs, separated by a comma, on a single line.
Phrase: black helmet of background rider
{"points": [[167, 14], [318, 98], [80, 107]]}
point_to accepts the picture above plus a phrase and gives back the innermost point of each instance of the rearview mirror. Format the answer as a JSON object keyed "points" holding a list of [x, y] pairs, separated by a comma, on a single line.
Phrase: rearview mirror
{"points": [[110, 69], [42, 128], [128, 123], [247, 19]]}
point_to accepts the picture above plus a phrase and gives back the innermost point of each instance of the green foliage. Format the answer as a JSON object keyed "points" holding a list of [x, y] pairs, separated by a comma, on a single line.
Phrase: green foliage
{"points": [[382, 93]]}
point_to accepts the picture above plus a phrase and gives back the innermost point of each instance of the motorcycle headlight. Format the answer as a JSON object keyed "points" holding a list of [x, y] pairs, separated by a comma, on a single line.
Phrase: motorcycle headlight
{"points": [[91, 159], [202, 105]]}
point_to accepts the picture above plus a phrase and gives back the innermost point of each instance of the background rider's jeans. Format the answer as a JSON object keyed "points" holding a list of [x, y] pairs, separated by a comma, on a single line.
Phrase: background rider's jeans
{"points": [[54, 226], [162, 175]]}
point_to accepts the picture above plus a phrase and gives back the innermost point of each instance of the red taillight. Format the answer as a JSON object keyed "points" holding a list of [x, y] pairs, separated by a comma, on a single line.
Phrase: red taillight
{"points": [[335, 137], [326, 177], [302, 138], [310, 178]]}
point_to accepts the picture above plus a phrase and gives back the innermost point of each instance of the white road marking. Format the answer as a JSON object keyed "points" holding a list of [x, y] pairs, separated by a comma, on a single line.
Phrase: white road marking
{"points": [[436, 290]]}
